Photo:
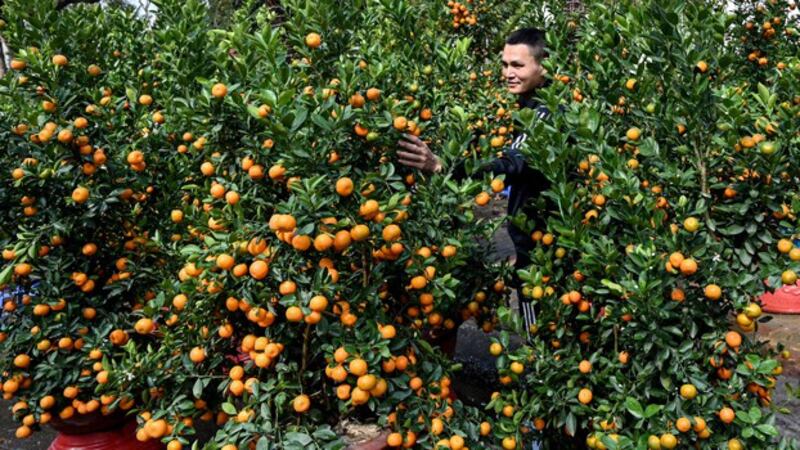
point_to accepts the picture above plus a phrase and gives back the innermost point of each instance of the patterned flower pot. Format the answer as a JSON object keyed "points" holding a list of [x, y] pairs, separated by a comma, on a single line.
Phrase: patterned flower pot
{"points": [[98, 432], [785, 300]]}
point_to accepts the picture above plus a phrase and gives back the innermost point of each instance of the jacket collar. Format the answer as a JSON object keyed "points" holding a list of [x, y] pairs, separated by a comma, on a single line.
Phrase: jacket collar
{"points": [[530, 101]]}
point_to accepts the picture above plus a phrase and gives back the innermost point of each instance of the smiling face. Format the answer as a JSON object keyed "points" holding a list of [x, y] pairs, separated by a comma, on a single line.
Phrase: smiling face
{"points": [[522, 71]]}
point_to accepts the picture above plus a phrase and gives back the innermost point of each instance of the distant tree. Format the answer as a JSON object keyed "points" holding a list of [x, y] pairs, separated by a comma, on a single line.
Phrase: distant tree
{"points": [[222, 10]]}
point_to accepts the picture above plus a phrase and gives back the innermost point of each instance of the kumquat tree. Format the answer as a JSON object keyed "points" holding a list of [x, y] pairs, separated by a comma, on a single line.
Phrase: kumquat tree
{"points": [[205, 227], [225, 235], [80, 244], [673, 200]]}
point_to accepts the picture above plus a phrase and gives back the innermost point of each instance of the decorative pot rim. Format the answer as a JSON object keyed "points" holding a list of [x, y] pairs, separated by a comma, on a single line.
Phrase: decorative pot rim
{"points": [[90, 423]]}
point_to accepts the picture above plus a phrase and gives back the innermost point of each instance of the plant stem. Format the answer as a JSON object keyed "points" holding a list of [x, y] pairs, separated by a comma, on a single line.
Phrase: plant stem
{"points": [[365, 268], [704, 190], [304, 363]]}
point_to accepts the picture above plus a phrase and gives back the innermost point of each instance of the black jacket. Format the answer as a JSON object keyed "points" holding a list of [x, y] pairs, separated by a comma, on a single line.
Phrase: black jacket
{"points": [[526, 183]]}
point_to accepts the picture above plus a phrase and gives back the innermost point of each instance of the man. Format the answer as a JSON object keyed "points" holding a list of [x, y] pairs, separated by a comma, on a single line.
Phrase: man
{"points": [[523, 53]]}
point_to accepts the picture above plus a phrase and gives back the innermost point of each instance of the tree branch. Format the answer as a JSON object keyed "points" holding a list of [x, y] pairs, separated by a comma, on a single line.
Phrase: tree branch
{"points": [[3, 67], [306, 337]]}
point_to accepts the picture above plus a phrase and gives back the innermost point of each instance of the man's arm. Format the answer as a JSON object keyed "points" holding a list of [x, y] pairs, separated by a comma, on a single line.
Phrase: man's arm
{"points": [[512, 163], [418, 155]]}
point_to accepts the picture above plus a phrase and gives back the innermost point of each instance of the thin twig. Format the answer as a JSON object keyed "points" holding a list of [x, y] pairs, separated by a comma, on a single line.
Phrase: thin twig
{"points": [[705, 192], [304, 363], [365, 269]]}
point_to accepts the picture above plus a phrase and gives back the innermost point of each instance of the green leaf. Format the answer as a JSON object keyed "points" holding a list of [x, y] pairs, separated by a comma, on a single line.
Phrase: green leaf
{"points": [[666, 381], [324, 433], [609, 443], [649, 148], [299, 119], [614, 287], [731, 230], [767, 429], [459, 112], [294, 437], [5, 275], [763, 93], [634, 407], [755, 414], [320, 122], [191, 249], [229, 409], [744, 416], [197, 389], [269, 97], [571, 423], [652, 410], [253, 111], [131, 94]]}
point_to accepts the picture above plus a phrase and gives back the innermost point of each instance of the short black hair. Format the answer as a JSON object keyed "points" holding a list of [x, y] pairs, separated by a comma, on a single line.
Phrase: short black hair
{"points": [[533, 38]]}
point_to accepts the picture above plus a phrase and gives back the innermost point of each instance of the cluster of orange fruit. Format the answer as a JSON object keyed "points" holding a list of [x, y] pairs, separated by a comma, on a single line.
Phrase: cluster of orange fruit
{"points": [[764, 27], [482, 199], [787, 247], [595, 180], [93, 366], [461, 14], [439, 392], [367, 385]]}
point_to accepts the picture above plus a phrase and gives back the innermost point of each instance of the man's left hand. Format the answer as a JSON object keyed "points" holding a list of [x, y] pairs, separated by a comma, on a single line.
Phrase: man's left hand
{"points": [[418, 154]]}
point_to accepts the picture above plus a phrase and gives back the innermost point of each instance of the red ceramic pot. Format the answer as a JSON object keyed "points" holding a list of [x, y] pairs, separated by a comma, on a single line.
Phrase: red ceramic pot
{"points": [[98, 432], [785, 300]]}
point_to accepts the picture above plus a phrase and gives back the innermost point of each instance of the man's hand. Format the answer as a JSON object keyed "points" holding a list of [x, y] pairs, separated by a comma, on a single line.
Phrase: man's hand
{"points": [[418, 155]]}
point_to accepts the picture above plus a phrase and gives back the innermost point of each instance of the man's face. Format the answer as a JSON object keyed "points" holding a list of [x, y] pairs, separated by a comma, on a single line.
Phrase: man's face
{"points": [[522, 71]]}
